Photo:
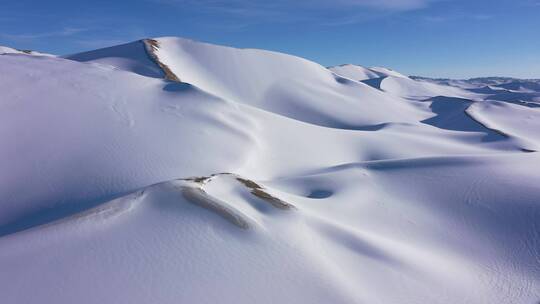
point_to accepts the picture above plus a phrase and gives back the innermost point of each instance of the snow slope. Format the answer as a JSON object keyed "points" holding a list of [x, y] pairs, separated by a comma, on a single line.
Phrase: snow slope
{"points": [[496, 88], [278, 83], [519, 121], [259, 177], [7, 50], [131, 57], [356, 72], [397, 84], [408, 88]]}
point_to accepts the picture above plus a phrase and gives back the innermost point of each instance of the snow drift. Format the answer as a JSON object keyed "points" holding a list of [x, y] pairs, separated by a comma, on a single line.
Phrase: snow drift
{"points": [[173, 171]]}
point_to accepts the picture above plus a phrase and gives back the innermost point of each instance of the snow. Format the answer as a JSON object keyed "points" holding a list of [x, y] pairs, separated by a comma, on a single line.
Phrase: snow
{"points": [[386, 72], [261, 178], [279, 83], [356, 72], [7, 50], [408, 88], [397, 84], [496, 88], [128, 57], [518, 121]]}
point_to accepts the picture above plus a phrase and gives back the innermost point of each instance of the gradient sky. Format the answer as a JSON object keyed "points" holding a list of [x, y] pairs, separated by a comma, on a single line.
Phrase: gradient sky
{"points": [[438, 38]]}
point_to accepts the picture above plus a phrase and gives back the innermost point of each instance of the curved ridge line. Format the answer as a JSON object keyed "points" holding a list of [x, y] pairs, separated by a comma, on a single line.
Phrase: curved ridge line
{"points": [[151, 46], [503, 134]]}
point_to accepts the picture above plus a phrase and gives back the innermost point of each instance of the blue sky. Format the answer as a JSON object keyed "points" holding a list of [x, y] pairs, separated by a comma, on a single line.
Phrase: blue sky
{"points": [[441, 38]]}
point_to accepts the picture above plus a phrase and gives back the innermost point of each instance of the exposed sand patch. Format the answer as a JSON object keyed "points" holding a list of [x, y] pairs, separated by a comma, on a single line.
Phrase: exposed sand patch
{"points": [[200, 198], [259, 192], [151, 46]]}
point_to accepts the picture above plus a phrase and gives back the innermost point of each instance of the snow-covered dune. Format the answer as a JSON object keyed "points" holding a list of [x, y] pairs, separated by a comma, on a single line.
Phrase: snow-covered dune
{"points": [[7, 50], [496, 88], [356, 72], [77, 132], [409, 88], [519, 121], [360, 73], [275, 82], [427, 230], [173, 171], [131, 57], [396, 83]]}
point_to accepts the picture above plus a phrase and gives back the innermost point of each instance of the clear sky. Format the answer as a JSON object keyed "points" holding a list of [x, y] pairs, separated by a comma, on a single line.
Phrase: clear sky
{"points": [[439, 38]]}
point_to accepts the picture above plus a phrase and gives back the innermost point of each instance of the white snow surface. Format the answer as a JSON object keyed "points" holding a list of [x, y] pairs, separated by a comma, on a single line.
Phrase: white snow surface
{"points": [[7, 50], [260, 178], [356, 72], [395, 83]]}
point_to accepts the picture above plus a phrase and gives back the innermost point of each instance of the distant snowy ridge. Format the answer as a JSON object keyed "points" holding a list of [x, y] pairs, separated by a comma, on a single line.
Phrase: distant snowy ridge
{"points": [[394, 82], [7, 50]]}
